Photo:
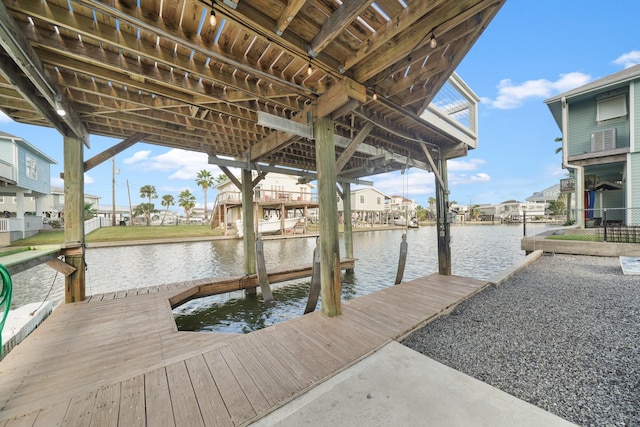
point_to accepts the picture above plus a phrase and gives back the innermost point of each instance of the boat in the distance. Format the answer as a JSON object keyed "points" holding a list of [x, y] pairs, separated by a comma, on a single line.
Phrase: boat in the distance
{"points": [[270, 226], [413, 223]]}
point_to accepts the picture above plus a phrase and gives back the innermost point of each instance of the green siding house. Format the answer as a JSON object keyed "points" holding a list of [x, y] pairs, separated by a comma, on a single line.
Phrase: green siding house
{"points": [[600, 125]]}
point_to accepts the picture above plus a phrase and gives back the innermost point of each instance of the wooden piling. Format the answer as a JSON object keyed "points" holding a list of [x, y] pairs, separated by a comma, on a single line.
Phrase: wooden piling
{"points": [[348, 229], [249, 236], [328, 226], [444, 228], [73, 247]]}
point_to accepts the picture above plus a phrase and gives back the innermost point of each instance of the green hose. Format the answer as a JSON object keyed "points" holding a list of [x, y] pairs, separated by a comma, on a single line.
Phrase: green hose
{"points": [[5, 298]]}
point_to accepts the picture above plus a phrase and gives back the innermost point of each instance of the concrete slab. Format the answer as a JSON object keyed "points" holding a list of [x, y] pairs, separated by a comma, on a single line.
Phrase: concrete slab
{"points": [[397, 386]]}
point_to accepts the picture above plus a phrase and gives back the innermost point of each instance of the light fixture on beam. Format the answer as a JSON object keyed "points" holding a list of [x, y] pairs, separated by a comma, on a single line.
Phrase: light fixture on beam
{"points": [[59, 108], [433, 42], [309, 69], [212, 17]]}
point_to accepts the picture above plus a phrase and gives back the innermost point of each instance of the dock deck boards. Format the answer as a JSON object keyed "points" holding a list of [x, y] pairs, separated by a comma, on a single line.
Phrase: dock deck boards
{"points": [[122, 361]]}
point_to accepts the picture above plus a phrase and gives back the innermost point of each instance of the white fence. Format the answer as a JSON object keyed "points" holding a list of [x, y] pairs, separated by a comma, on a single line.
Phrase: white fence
{"points": [[95, 223]]}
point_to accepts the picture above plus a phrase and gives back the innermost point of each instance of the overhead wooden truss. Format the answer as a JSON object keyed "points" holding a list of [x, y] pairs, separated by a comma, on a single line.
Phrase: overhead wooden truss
{"points": [[160, 72]]}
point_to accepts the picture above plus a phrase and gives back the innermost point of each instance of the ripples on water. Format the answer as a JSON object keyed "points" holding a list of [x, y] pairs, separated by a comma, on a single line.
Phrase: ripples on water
{"points": [[477, 251]]}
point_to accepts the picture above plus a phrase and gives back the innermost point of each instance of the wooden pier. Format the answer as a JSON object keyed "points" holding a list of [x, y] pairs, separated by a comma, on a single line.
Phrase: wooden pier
{"points": [[121, 361]]}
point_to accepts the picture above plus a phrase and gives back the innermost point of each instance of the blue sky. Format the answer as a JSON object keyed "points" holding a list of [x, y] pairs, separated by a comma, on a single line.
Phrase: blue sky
{"points": [[532, 50]]}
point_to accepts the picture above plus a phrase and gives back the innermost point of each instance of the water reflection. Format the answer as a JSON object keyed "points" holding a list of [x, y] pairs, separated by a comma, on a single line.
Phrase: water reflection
{"points": [[477, 251]]}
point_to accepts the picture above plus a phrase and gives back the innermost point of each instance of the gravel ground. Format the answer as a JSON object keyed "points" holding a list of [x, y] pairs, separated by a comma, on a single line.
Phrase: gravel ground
{"points": [[562, 334]]}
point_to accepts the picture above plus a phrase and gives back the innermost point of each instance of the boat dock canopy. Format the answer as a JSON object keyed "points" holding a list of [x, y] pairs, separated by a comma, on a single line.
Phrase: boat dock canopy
{"points": [[250, 85]]}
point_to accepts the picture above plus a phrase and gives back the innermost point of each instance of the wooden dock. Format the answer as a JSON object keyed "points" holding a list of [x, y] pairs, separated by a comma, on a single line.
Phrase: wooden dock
{"points": [[122, 362]]}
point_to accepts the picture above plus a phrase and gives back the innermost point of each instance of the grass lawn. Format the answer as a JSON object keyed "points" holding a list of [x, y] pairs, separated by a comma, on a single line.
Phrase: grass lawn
{"points": [[119, 234], [579, 237]]}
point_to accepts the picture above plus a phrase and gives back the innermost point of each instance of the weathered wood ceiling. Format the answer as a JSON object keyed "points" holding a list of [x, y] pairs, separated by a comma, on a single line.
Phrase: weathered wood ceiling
{"points": [[158, 71]]}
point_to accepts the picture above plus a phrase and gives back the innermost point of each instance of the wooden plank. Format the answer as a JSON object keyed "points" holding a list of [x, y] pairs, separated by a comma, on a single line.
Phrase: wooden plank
{"points": [[239, 406], [52, 415], [132, 402], [79, 411], [158, 399], [183, 400], [107, 406], [212, 407], [270, 388], [60, 266], [21, 420]]}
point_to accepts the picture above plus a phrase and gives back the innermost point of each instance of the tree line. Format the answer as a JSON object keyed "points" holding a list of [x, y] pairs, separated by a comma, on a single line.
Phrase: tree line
{"points": [[186, 200]]}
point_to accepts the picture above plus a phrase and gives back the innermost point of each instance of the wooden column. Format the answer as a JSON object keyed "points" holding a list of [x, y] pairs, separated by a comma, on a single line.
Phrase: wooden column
{"points": [[328, 227], [248, 221], [348, 229], [73, 246], [444, 229]]}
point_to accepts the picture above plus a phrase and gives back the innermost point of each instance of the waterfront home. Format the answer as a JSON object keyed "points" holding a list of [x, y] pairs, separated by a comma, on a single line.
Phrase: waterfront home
{"points": [[276, 194], [601, 146], [368, 205], [512, 211], [24, 174]]}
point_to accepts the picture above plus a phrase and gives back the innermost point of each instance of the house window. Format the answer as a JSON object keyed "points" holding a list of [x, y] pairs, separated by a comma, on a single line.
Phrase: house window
{"points": [[14, 200], [361, 199], [32, 167], [1, 199], [612, 108], [379, 202]]}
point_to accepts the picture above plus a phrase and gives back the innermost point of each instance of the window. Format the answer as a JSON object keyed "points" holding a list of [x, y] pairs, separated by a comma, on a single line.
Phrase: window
{"points": [[362, 199], [378, 200], [32, 167], [612, 108], [1, 199]]}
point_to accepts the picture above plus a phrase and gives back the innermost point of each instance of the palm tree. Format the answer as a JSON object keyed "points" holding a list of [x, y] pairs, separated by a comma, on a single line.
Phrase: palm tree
{"points": [[187, 201], [167, 201], [221, 178], [205, 180], [148, 192]]}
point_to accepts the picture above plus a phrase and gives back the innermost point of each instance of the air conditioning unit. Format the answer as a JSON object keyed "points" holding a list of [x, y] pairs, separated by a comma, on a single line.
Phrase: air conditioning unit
{"points": [[603, 140]]}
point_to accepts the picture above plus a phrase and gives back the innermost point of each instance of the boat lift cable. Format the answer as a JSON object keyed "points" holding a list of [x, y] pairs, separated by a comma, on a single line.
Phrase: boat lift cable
{"points": [[5, 298]]}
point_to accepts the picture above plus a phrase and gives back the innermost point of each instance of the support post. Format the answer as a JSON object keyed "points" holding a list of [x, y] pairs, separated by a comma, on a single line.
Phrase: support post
{"points": [[249, 236], [444, 229], [348, 229], [328, 227], [73, 246]]}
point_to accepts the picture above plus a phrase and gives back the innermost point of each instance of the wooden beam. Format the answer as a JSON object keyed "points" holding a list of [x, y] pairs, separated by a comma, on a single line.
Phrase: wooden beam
{"points": [[231, 176], [434, 169], [110, 152], [395, 26], [18, 48], [278, 139], [289, 12], [60, 266], [339, 95], [353, 146], [249, 236], [337, 23]]}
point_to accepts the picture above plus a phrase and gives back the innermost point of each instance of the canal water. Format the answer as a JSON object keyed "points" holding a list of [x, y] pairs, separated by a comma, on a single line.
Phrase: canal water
{"points": [[478, 251]]}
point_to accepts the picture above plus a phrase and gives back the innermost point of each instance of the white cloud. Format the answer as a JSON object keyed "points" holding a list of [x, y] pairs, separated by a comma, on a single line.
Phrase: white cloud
{"points": [[176, 163], [4, 118], [511, 95], [88, 179], [628, 59], [462, 179], [464, 165], [138, 156]]}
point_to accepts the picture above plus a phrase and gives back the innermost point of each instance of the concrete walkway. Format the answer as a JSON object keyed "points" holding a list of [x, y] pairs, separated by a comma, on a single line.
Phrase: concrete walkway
{"points": [[397, 386]]}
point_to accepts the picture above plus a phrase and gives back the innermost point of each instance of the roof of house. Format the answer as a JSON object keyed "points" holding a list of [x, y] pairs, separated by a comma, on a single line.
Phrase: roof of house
{"points": [[28, 145]]}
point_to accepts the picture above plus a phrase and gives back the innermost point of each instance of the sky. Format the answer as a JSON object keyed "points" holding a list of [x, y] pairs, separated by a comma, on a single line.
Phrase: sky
{"points": [[531, 51]]}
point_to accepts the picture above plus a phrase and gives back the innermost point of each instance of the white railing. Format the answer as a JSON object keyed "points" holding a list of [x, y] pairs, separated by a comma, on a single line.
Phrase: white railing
{"points": [[6, 171], [4, 225]]}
